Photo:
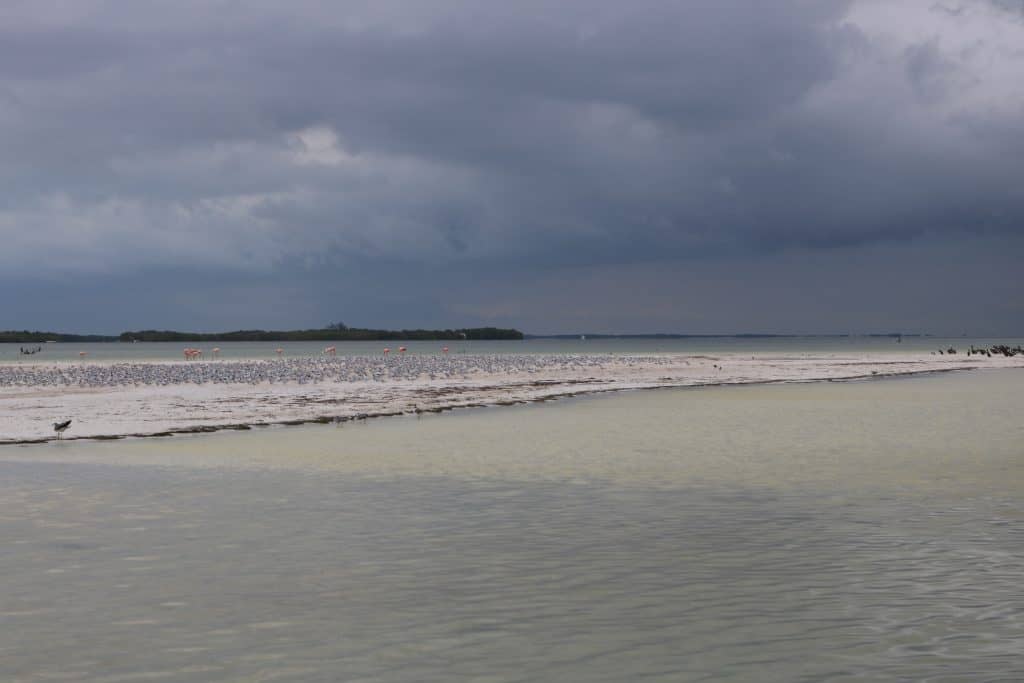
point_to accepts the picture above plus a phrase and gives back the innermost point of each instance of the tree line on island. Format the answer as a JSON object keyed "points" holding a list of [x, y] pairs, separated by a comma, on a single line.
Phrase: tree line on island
{"points": [[27, 337], [333, 332]]}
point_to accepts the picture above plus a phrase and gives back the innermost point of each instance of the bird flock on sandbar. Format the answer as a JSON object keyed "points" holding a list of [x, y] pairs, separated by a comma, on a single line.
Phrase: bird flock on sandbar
{"points": [[307, 370]]}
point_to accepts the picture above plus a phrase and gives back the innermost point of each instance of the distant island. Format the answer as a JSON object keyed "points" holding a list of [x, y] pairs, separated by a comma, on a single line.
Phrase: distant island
{"points": [[335, 333], [26, 337], [341, 332], [327, 334]]}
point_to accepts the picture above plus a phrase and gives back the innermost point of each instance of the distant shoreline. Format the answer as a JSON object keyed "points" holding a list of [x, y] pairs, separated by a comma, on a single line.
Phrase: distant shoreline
{"points": [[360, 334], [326, 335], [746, 335]]}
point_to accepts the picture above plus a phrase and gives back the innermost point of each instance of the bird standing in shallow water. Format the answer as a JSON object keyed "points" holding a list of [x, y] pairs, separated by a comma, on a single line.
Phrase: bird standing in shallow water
{"points": [[59, 427]]}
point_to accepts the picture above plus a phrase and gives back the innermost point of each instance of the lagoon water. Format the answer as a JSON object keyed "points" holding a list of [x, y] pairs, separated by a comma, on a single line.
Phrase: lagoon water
{"points": [[839, 531], [116, 352]]}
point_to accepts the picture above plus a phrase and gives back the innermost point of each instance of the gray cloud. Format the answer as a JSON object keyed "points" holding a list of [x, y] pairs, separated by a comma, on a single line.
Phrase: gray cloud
{"points": [[299, 148]]}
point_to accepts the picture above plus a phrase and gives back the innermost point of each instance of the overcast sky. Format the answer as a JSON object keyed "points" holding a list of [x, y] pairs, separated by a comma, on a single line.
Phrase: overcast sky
{"points": [[704, 166]]}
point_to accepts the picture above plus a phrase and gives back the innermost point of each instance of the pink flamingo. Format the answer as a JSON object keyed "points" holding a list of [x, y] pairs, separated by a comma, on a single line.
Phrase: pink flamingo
{"points": [[216, 352], [82, 354], [401, 349], [444, 349], [279, 351], [331, 351], [386, 350]]}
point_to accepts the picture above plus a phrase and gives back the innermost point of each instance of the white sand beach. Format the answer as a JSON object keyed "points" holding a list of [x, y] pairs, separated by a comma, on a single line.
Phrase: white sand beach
{"points": [[157, 398]]}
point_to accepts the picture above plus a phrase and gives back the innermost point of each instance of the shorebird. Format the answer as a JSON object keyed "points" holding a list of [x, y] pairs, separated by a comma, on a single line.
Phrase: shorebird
{"points": [[59, 427]]}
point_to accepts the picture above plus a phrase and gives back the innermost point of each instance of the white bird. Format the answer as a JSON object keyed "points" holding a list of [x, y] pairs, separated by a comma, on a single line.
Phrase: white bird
{"points": [[59, 427]]}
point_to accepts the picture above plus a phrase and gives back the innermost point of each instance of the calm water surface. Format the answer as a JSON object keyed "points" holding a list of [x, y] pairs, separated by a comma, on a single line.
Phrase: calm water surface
{"points": [[115, 352], [867, 531]]}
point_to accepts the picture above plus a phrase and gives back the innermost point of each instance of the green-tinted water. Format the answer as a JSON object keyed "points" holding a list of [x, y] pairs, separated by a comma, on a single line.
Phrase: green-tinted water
{"points": [[866, 531]]}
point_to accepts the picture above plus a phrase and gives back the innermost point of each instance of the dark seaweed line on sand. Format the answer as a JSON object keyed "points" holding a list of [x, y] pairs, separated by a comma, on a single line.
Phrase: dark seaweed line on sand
{"points": [[341, 419]]}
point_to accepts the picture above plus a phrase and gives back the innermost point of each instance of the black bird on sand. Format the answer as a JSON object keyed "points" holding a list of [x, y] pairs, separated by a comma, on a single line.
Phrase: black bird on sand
{"points": [[59, 427]]}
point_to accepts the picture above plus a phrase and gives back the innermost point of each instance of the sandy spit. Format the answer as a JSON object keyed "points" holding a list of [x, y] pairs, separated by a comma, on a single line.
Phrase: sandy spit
{"points": [[159, 399]]}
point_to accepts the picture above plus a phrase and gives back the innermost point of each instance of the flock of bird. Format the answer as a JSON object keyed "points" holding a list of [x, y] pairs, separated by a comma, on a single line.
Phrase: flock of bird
{"points": [[309, 370]]}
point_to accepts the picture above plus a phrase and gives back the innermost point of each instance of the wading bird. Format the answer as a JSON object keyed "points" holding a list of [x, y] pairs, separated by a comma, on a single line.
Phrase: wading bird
{"points": [[59, 427]]}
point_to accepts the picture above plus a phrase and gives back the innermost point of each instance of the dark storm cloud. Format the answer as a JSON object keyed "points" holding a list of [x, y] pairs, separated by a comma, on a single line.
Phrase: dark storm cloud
{"points": [[299, 148]]}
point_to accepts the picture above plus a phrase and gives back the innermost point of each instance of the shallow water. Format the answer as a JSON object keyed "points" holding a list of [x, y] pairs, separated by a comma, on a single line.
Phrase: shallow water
{"points": [[862, 531], [115, 352]]}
